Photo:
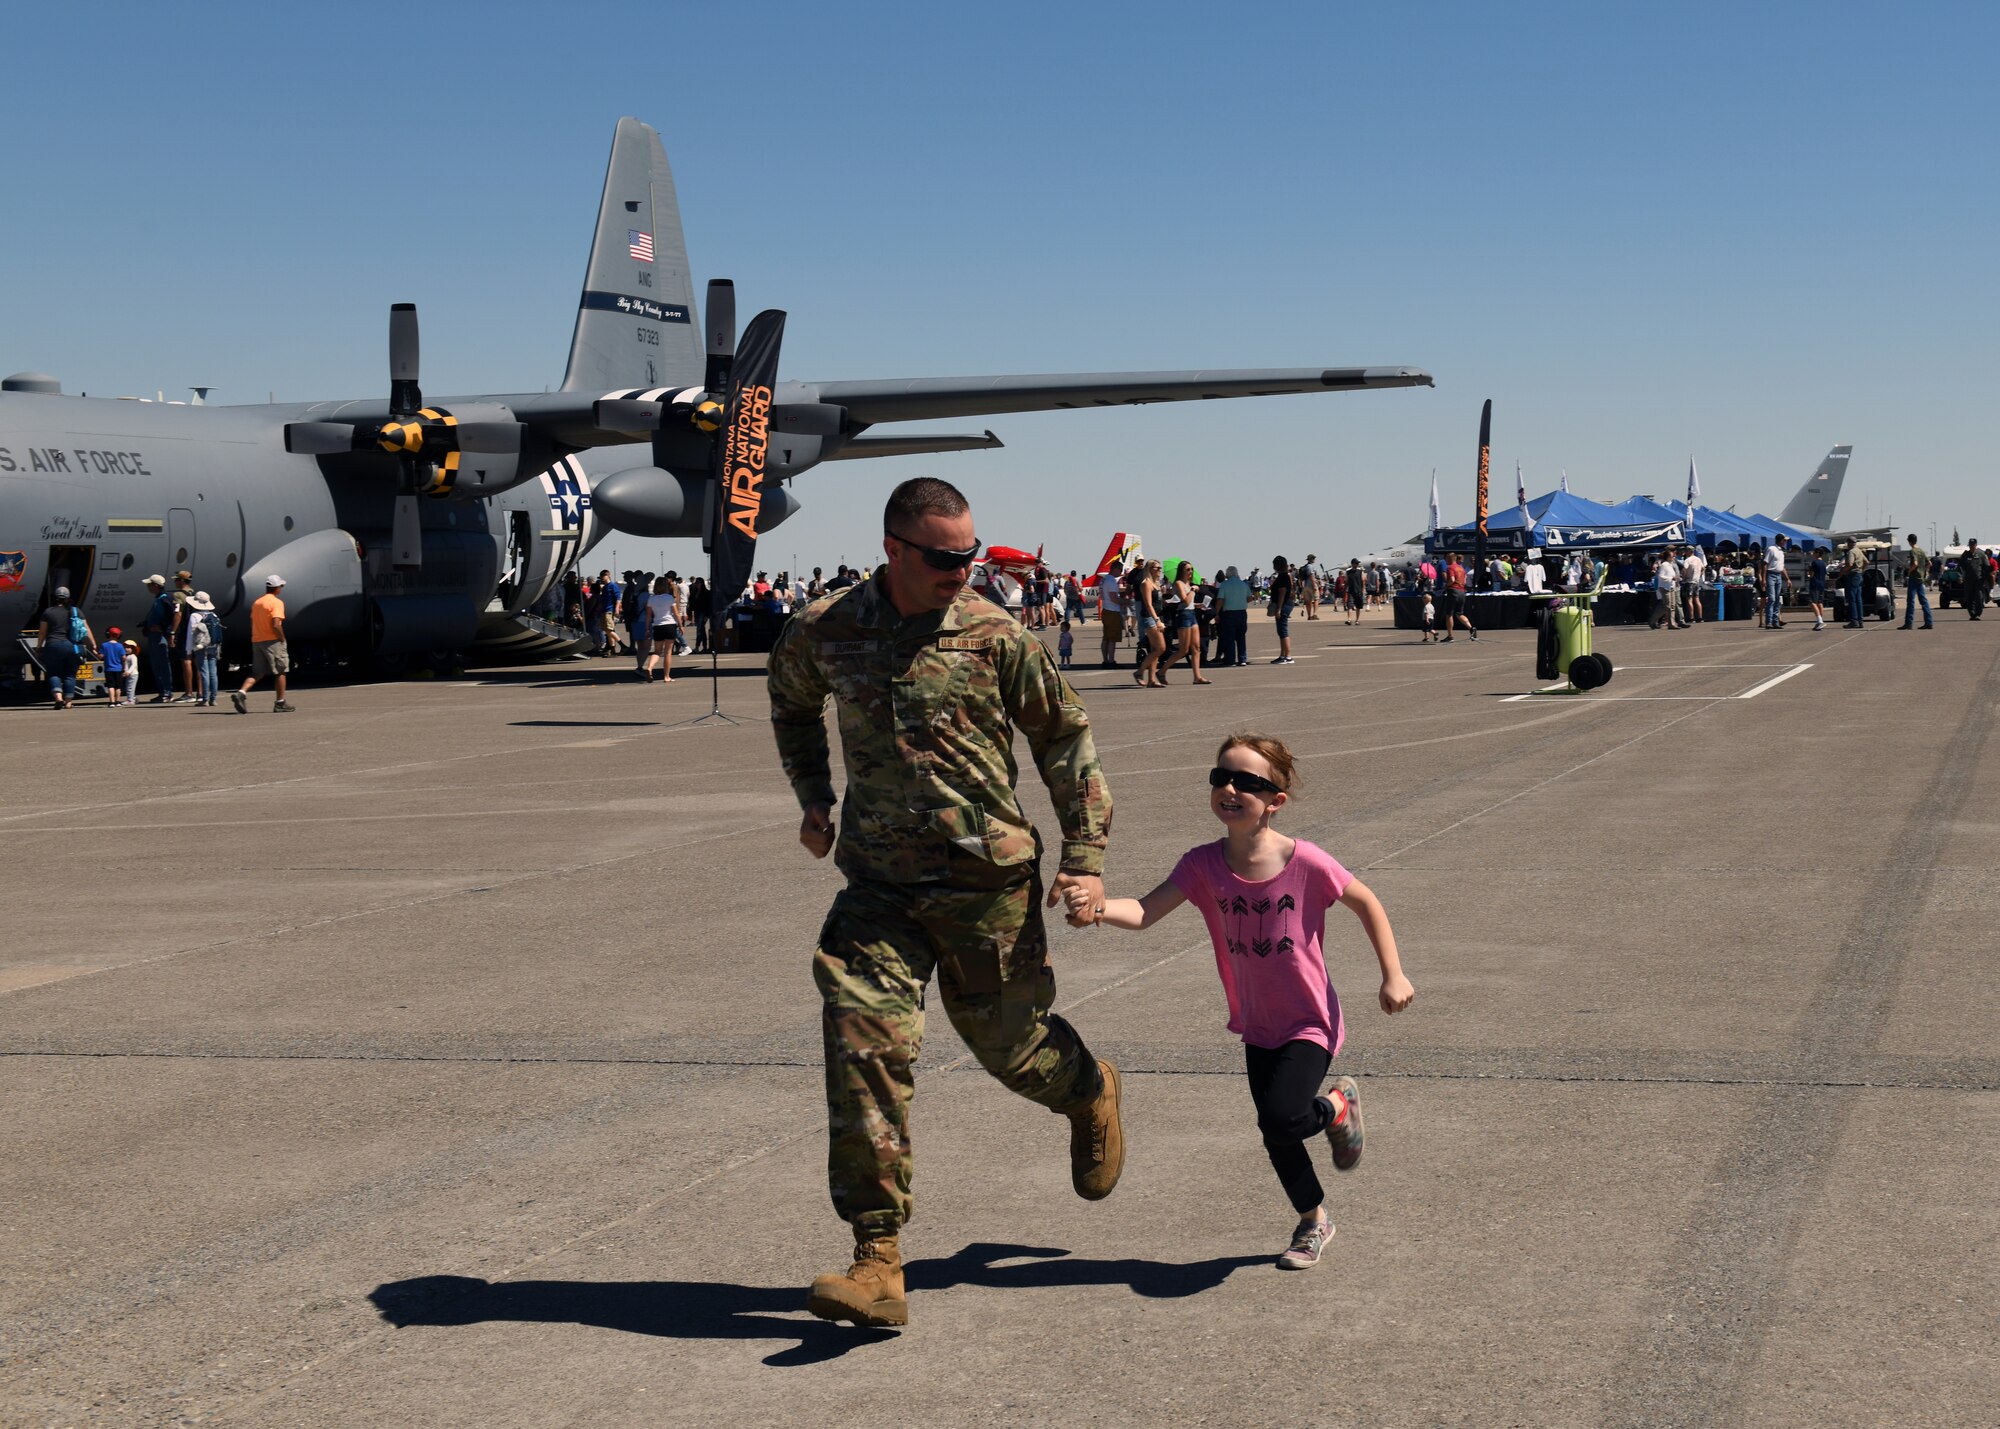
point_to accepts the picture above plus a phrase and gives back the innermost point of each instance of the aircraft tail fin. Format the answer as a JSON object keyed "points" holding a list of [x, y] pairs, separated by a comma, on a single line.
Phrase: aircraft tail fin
{"points": [[1122, 548], [635, 326], [1814, 504]]}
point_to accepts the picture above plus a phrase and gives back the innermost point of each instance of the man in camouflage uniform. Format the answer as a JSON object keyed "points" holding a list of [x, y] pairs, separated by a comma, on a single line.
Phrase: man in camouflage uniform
{"points": [[943, 869]]}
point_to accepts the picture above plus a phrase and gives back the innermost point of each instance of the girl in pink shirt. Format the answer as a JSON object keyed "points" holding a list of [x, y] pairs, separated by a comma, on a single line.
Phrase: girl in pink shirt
{"points": [[1264, 898]]}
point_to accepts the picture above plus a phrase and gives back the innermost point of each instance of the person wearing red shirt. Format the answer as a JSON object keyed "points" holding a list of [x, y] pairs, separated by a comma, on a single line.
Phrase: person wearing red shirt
{"points": [[1454, 600]]}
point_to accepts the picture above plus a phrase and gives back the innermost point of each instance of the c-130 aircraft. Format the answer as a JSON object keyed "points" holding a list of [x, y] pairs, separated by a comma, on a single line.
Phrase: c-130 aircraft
{"points": [[413, 526]]}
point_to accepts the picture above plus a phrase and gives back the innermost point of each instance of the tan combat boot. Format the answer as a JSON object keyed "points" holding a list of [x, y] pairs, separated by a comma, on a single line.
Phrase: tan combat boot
{"points": [[870, 1294], [1097, 1140]]}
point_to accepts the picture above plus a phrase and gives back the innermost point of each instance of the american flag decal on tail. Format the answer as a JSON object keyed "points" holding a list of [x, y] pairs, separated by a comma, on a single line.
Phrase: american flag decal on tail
{"points": [[642, 244]]}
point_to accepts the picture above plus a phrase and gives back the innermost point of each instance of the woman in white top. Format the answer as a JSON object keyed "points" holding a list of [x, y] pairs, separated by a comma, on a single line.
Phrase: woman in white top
{"points": [[663, 612]]}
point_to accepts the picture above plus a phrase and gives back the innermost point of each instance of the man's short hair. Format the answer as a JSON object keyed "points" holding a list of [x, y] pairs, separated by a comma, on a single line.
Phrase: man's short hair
{"points": [[923, 496]]}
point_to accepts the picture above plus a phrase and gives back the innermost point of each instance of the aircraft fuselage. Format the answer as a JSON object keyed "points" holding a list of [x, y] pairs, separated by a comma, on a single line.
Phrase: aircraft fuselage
{"points": [[99, 493]]}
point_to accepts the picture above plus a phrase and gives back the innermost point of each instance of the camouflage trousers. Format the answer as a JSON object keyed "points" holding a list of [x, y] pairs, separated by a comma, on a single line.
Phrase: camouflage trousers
{"points": [[877, 950]]}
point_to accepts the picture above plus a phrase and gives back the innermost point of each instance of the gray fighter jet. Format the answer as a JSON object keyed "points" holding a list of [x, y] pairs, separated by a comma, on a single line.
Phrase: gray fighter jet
{"points": [[414, 524]]}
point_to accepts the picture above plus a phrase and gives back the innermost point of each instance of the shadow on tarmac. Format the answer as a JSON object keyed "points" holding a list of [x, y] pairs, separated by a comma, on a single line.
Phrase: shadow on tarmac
{"points": [[714, 1310], [597, 674], [582, 724]]}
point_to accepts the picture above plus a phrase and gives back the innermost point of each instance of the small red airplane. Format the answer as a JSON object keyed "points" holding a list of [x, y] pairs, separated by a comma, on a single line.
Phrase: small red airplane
{"points": [[1004, 570]]}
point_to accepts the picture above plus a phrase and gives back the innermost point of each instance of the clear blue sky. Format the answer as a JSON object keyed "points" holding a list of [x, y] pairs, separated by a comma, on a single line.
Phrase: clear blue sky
{"points": [[1737, 232]]}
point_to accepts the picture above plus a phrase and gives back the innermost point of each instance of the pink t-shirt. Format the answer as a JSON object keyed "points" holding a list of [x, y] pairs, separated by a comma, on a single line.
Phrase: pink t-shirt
{"points": [[1268, 942]]}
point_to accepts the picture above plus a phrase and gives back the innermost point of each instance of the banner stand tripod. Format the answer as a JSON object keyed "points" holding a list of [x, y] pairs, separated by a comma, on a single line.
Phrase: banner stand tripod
{"points": [[714, 690]]}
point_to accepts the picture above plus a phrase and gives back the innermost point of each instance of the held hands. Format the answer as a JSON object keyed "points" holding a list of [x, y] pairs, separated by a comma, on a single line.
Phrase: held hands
{"points": [[1397, 993], [816, 830], [1083, 897]]}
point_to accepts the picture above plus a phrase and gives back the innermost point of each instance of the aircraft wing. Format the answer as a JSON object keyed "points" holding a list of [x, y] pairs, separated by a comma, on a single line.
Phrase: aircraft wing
{"points": [[575, 420], [919, 398], [915, 444]]}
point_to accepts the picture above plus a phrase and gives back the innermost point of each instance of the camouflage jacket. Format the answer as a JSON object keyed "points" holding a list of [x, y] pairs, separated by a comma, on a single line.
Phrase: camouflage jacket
{"points": [[927, 709]]}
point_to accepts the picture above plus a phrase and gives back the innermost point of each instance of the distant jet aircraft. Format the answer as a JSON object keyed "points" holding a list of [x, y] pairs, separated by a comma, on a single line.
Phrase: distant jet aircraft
{"points": [[417, 524], [1812, 509]]}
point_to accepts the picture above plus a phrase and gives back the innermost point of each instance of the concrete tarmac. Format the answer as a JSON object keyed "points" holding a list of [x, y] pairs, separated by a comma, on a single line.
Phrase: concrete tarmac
{"points": [[448, 1054]]}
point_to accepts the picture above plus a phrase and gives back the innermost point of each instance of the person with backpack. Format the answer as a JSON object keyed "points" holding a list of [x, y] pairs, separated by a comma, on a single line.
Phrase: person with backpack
{"points": [[205, 645], [158, 630], [60, 645], [183, 641]]}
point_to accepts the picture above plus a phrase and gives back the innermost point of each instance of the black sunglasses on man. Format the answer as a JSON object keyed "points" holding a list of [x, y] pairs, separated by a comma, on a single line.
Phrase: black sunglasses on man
{"points": [[938, 558]]}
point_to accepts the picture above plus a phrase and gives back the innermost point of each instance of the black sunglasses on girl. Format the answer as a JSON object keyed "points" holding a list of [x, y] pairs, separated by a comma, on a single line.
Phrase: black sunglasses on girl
{"points": [[1245, 783], [939, 559]]}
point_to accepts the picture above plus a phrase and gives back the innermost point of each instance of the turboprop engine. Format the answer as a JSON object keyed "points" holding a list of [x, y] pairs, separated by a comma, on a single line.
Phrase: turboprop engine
{"points": [[652, 501]]}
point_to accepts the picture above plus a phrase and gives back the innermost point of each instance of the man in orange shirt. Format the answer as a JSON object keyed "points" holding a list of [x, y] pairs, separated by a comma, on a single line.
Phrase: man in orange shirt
{"points": [[268, 656]]}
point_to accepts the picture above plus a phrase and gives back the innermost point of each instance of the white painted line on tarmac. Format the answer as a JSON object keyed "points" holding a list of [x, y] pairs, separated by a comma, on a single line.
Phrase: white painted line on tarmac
{"points": [[1756, 690], [1752, 665], [1545, 689], [1646, 699]]}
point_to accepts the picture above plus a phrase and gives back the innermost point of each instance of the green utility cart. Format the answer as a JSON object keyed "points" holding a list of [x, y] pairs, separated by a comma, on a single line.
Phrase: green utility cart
{"points": [[1563, 649]]}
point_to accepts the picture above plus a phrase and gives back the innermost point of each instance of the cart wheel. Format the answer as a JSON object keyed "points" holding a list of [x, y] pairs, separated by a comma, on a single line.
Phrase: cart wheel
{"points": [[1604, 669], [1585, 673]]}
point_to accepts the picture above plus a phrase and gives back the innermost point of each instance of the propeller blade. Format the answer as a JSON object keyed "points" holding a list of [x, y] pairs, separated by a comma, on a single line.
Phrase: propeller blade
{"points": [[406, 539], [720, 311], [319, 438], [808, 419], [501, 437], [405, 396]]}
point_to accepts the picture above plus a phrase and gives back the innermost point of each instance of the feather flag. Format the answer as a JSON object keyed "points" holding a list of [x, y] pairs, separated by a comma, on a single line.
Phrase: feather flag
{"points": [[1565, 479], [1694, 495], [1521, 497], [1435, 522]]}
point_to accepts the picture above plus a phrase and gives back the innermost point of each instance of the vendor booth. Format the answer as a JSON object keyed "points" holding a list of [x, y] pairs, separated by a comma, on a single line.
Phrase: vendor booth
{"points": [[1559, 522]]}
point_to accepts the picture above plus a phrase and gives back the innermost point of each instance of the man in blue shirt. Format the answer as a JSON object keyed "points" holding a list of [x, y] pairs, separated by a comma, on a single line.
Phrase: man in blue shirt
{"points": [[158, 629], [1232, 598]]}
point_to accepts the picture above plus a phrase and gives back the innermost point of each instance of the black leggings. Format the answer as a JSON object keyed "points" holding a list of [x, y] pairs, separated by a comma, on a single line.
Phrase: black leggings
{"points": [[1284, 1083]]}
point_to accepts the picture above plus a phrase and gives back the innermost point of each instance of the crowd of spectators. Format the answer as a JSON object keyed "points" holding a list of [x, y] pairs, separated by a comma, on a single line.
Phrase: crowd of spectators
{"points": [[1169, 611]]}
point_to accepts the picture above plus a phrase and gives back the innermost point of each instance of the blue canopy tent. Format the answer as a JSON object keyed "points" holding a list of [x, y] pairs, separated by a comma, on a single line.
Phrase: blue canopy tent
{"points": [[1565, 521], [1767, 528], [1716, 529], [1645, 508]]}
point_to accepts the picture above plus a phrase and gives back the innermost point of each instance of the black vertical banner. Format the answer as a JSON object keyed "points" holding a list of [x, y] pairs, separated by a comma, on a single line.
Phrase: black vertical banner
{"points": [[1485, 466], [739, 460]]}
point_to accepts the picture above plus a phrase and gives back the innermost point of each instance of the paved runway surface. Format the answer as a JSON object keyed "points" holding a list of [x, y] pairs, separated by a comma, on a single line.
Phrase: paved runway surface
{"points": [[447, 1054]]}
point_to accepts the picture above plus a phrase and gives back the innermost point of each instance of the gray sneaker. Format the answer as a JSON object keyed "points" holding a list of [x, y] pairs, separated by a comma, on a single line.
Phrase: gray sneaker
{"points": [[1344, 1136], [283, 707], [240, 700], [1307, 1243]]}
